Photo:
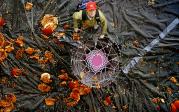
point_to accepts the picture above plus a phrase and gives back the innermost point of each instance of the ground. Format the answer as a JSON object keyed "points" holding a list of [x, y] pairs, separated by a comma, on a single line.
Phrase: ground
{"points": [[147, 52]]}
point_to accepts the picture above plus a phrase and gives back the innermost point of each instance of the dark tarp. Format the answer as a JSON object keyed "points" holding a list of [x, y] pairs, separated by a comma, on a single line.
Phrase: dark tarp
{"points": [[133, 24]]}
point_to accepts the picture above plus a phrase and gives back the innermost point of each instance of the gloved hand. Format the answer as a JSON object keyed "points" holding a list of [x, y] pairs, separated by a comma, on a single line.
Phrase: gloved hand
{"points": [[77, 30], [101, 36], [96, 26]]}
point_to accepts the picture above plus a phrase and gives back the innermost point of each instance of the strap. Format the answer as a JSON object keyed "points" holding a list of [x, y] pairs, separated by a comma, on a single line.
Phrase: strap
{"points": [[97, 17], [84, 15]]}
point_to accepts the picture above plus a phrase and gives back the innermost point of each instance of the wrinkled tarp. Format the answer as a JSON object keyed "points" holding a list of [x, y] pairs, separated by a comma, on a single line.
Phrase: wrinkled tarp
{"points": [[129, 21]]}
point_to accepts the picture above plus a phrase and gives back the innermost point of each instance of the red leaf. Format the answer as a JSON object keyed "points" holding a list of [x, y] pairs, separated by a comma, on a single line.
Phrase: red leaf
{"points": [[16, 72], [175, 106], [107, 101], [75, 96], [47, 31], [63, 76], [73, 84], [2, 22]]}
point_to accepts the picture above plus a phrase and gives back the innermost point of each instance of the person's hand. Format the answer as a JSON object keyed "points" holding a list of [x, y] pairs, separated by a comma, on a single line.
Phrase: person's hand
{"points": [[77, 30], [101, 36]]}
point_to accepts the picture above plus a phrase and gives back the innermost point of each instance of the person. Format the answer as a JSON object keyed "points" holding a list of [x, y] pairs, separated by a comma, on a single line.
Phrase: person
{"points": [[90, 18]]}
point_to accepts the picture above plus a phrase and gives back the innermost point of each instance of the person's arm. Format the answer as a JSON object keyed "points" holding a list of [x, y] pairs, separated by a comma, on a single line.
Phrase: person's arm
{"points": [[103, 22], [77, 16]]}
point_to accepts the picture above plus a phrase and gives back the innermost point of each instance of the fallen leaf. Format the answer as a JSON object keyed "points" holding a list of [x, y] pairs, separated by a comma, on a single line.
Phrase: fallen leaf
{"points": [[28, 6], [16, 72], [19, 53], [84, 90], [5, 103], [48, 55], [2, 21], [45, 77], [9, 48], [30, 50], [63, 83], [20, 41], [44, 88], [174, 107], [107, 101], [63, 76], [11, 98], [36, 57], [173, 79], [73, 84], [2, 40], [49, 24], [50, 101], [3, 55], [47, 31], [75, 96]]}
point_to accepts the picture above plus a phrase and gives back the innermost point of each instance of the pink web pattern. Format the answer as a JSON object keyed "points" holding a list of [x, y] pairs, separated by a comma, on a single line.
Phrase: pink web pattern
{"points": [[96, 60]]}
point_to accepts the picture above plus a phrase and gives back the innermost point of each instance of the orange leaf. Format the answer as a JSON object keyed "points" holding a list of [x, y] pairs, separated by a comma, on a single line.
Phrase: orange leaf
{"points": [[16, 72], [2, 22], [47, 31], [49, 24], [28, 6], [5, 103], [63, 76], [45, 77], [3, 55], [20, 41], [84, 90], [176, 103], [175, 106], [19, 53], [36, 57], [9, 48], [30, 50], [50, 101], [107, 101], [75, 96], [48, 55], [73, 84], [76, 90], [173, 79], [43, 61], [1, 40], [63, 83], [11, 98], [44, 88], [70, 102], [9, 109]]}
